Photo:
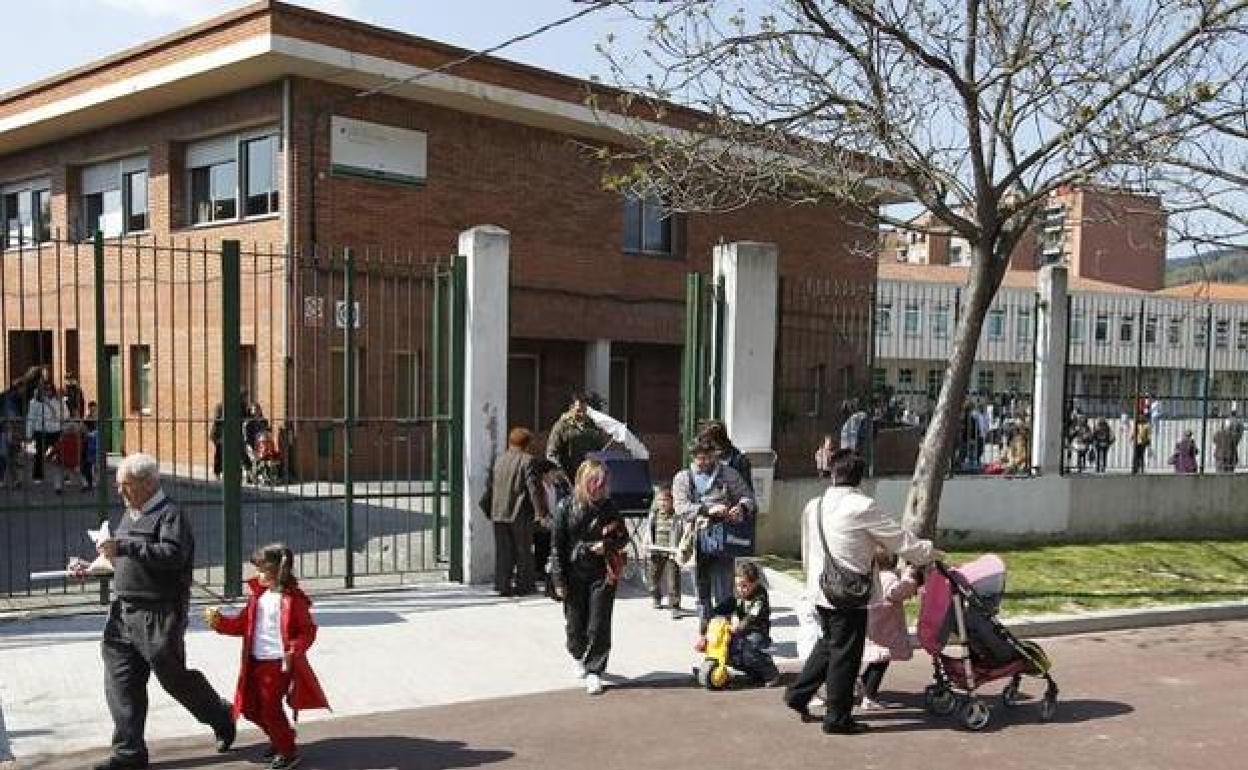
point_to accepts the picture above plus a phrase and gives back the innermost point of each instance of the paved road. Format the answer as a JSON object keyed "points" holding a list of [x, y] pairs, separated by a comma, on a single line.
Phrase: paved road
{"points": [[1164, 699]]}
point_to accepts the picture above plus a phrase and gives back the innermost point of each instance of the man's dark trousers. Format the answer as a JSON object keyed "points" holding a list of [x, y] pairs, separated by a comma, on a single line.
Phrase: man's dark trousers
{"points": [[834, 661], [141, 638]]}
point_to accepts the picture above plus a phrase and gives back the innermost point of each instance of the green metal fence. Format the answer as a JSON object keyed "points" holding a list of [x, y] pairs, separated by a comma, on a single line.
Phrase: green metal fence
{"points": [[701, 382], [340, 434]]}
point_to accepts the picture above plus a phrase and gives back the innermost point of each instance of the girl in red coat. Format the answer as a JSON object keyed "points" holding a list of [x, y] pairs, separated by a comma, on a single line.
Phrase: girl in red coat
{"points": [[277, 630]]}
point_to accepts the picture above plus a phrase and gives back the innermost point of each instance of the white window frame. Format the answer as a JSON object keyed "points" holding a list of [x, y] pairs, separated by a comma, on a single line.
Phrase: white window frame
{"points": [[228, 148], [31, 187], [915, 311], [1077, 323], [940, 321], [1101, 329], [884, 319], [1022, 324], [110, 176], [905, 380], [996, 324]]}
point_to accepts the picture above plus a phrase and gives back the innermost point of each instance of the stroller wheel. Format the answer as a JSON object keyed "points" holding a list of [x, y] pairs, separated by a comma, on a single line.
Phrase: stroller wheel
{"points": [[1048, 706], [939, 701], [975, 714]]}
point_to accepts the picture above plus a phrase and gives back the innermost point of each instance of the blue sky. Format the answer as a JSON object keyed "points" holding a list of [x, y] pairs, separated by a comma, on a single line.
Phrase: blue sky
{"points": [[46, 37]]}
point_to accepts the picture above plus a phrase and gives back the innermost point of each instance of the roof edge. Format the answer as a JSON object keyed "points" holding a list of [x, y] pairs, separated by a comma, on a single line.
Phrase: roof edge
{"points": [[242, 13]]}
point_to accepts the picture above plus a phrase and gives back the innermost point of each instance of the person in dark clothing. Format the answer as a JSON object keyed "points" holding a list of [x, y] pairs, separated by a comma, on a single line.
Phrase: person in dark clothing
{"points": [[715, 433], [751, 628], [575, 435], [153, 554], [90, 445], [587, 556], [215, 435], [555, 487], [75, 402], [514, 500]]}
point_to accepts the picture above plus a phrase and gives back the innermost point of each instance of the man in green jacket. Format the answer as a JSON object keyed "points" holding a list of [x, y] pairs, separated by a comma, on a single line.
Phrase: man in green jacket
{"points": [[574, 435]]}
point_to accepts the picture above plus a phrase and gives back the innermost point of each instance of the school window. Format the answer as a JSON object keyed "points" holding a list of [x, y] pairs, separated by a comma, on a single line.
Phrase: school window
{"points": [[934, 379], [1077, 322], [140, 379], [1200, 333], [984, 381], [1174, 332], [649, 228], [912, 321], [1111, 386], [247, 371], [879, 379], [1100, 332], [523, 390], [1013, 381], [996, 323], [621, 386], [905, 380], [940, 322], [260, 193], [1150, 330], [1221, 334], [1126, 329], [406, 385], [233, 177], [1241, 335], [1022, 329], [884, 319], [817, 377], [26, 214], [114, 198]]}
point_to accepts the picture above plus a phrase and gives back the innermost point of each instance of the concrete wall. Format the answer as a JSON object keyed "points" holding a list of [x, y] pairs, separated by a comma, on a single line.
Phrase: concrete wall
{"points": [[987, 510]]}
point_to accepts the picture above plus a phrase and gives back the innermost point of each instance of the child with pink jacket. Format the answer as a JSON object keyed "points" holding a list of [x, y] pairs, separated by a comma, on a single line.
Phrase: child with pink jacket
{"points": [[888, 639]]}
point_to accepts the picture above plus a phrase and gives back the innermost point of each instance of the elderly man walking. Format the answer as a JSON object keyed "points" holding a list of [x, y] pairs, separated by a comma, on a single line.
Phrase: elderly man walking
{"points": [[153, 553]]}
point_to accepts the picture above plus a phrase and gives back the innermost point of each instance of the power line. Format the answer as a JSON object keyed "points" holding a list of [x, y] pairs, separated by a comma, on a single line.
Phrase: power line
{"points": [[562, 21]]}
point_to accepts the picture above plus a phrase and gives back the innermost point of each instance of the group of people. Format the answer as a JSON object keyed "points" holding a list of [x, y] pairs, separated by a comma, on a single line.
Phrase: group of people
{"points": [[1088, 443], [153, 556], [262, 456], [52, 431]]}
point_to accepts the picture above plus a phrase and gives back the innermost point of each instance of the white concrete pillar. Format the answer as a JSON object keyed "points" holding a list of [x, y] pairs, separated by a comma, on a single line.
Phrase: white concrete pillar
{"points": [[751, 279], [488, 251], [1047, 408], [598, 370]]}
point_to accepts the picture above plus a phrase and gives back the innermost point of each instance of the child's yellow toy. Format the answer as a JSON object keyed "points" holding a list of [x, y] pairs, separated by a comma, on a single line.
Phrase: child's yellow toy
{"points": [[713, 674]]}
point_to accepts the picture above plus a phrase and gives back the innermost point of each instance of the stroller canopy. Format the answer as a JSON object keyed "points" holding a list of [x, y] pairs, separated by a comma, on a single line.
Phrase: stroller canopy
{"points": [[985, 576]]}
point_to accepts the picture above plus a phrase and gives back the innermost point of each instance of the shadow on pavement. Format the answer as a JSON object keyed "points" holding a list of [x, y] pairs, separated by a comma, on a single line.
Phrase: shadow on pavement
{"points": [[368, 752], [907, 714]]}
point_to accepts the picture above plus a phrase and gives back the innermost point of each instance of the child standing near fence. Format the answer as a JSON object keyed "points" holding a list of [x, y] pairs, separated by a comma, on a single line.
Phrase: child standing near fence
{"points": [[277, 630]]}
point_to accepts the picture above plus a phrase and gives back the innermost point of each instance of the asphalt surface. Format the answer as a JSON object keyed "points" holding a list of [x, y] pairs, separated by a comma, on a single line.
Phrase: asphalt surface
{"points": [[1156, 699]]}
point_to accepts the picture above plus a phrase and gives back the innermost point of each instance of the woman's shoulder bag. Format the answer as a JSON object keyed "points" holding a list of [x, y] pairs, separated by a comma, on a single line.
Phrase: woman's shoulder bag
{"points": [[844, 588]]}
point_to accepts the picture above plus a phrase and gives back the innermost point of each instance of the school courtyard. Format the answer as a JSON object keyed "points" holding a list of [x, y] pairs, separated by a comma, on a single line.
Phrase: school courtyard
{"points": [[452, 677]]}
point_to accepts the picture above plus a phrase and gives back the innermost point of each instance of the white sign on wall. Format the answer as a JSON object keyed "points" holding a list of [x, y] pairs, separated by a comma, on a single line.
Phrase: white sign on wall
{"points": [[360, 148], [340, 315]]}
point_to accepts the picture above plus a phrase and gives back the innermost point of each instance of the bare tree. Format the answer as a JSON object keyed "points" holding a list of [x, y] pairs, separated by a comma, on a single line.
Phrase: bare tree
{"points": [[979, 110]]}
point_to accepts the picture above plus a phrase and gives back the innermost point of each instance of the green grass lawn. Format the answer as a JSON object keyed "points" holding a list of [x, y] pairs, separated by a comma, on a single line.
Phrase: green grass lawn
{"points": [[1074, 578]]}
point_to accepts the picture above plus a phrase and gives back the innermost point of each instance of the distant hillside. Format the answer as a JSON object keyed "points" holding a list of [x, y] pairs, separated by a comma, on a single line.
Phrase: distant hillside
{"points": [[1222, 267]]}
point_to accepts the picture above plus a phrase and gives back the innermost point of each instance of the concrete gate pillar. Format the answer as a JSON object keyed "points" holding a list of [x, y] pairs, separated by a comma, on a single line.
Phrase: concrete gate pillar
{"points": [[488, 252], [1048, 416], [598, 370], [751, 280]]}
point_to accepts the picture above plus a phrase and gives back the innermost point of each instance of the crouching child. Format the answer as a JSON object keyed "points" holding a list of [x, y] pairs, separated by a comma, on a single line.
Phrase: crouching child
{"points": [[751, 628]]}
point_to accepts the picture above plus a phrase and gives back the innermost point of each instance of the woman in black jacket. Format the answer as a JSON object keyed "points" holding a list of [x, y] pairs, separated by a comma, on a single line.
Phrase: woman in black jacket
{"points": [[587, 555]]}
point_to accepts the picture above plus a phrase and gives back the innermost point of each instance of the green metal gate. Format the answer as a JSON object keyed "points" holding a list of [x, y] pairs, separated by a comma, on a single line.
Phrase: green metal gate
{"points": [[701, 382], [354, 358]]}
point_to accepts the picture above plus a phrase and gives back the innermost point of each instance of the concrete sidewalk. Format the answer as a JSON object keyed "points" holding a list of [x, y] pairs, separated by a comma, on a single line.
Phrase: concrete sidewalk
{"points": [[431, 645], [377, 652]]}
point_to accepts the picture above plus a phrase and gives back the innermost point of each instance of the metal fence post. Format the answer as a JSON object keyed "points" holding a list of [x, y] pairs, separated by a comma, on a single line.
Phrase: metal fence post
{"points": [[1204, 394], [690, 376], [872, 394], [459, 294], [1135, 400], [348, 420], [232, 415], [436, 426], [104, 397]]}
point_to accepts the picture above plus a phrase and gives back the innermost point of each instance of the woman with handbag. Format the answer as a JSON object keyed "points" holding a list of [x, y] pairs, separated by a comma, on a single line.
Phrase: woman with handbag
{"points": [[841, 530], [711, 498]]}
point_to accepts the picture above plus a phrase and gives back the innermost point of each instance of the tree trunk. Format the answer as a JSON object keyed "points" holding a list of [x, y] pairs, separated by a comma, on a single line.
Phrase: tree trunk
{"points": [[936, 451]]}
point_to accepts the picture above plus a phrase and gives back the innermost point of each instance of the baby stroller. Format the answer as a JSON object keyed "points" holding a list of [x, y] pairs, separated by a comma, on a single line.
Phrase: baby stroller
{"points": [[959, 609], [266, 460]]}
